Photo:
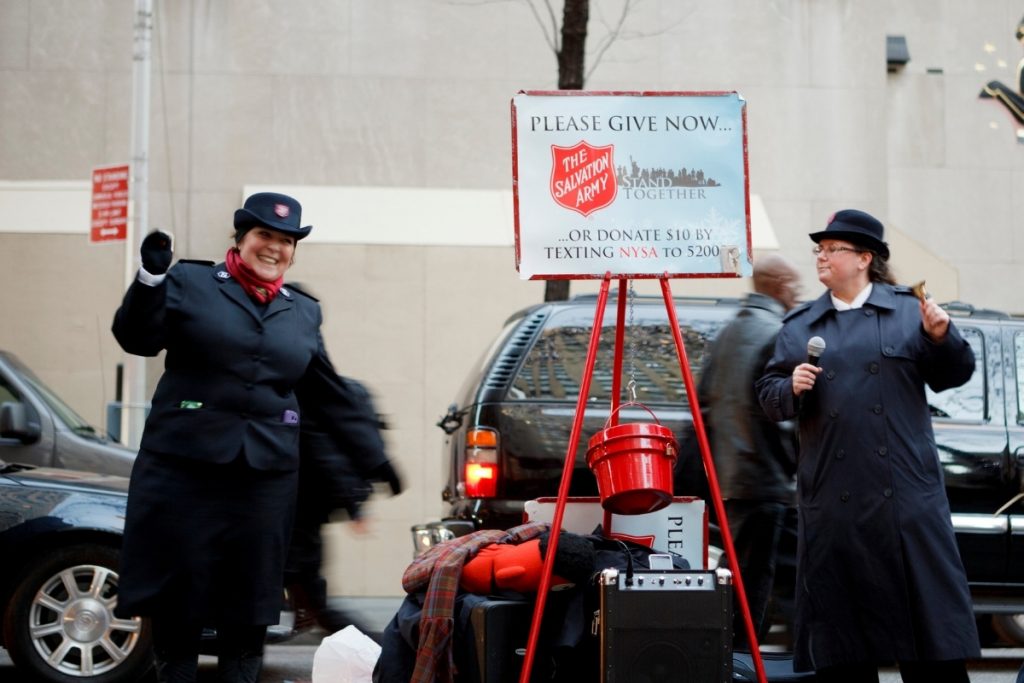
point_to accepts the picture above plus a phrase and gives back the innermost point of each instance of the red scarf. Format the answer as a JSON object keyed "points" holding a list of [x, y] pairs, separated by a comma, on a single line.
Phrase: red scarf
{"points": [[258, 290]]}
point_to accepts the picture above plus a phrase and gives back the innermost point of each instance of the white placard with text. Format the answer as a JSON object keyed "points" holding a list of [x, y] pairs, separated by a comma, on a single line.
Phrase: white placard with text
{"points": [[631, 184], [680, 528]]}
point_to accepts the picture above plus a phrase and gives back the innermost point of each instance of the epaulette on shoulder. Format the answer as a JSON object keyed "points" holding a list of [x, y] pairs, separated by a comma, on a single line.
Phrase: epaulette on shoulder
{"points": [[797, 311], [196, 262], [299, 290], [903, 289]]}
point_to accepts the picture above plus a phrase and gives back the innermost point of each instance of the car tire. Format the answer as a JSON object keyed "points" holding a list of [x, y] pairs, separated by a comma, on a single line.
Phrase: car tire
{"points": [[60, 623], [1009, 627]]}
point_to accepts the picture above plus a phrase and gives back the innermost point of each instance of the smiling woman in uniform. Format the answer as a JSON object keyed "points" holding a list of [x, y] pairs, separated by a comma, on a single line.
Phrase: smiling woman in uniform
{"points": [[213, 488]]}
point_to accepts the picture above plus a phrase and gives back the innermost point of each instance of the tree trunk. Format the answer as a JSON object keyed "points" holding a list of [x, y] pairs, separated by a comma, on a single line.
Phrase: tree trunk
{"points": [[575, 15]]}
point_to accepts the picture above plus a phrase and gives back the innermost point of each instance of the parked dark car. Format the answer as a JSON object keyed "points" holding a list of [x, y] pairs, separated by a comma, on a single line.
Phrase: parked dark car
{"points": [[60, 540], [38, 428], [63, 489], [509, 427]]}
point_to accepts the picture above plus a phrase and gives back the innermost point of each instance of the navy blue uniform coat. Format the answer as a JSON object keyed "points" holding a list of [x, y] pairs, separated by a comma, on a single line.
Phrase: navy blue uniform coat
{"points": [[879, 574], [212, 496]]}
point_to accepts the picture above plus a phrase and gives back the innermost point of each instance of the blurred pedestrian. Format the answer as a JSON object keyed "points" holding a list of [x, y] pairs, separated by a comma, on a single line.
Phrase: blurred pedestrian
{"points": [[212, 495], [879, 575], [341, 451], [755, 458]]}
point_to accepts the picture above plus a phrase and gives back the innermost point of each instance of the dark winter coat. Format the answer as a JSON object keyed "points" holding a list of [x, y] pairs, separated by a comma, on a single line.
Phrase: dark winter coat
{"points": [[754, 456], [212, 495], [231, 367], [341, 445], [879, 573], [340, 450]]}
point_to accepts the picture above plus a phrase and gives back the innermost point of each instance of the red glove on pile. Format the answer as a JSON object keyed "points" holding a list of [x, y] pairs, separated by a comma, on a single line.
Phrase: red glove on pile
{"points": [[505, 566]]}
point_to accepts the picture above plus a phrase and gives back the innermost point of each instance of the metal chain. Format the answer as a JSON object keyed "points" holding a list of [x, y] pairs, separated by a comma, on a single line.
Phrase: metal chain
{"points": [[631, 300]]}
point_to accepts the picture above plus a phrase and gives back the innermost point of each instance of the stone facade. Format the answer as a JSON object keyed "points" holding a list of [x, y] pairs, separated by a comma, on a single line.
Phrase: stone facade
{"points": [[364, 95]]}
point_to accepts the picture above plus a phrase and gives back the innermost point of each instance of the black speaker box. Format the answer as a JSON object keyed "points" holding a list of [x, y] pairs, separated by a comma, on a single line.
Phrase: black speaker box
{"points": [[672, 626]]}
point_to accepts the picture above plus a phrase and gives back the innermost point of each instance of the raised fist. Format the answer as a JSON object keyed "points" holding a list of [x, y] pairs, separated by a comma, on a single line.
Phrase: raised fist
{"points": [[156, 252]]}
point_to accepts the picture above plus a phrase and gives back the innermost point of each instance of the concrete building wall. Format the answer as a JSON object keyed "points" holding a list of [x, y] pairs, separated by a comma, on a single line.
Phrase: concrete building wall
{"points": [[359, 95]]}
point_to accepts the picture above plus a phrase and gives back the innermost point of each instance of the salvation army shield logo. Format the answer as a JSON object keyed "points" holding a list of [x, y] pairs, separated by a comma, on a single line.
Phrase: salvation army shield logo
{"points": [[583, 177]]}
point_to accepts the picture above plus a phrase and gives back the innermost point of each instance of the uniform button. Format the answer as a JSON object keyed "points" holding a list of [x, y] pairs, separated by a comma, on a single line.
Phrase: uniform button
{"points": [[883, 451], [830, 374], [844, 496], [877, 410], [889, 350], [887, 493], [873, 368], [869, 312], [840, 454], [833, 413]]}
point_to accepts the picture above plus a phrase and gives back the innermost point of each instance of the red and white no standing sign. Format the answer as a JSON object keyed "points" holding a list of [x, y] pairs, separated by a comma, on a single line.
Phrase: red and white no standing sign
{"points": [[109, 204]]}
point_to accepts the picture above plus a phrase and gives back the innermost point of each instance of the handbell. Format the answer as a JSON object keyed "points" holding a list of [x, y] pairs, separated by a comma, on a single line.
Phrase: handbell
{"points": [[920, 292]]}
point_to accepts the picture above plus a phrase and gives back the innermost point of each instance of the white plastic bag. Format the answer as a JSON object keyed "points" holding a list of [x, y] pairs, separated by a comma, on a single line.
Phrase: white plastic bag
{"points": [[347, 656]]}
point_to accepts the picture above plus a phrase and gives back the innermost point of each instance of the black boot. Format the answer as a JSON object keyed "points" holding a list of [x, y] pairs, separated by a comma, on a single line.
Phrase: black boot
{"points": [[245, 669], [175, 649], [177, 671], [240, 657]]}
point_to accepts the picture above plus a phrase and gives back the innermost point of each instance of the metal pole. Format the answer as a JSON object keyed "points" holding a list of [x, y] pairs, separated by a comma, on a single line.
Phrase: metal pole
{"points": [[133, 410], [563, 489]]}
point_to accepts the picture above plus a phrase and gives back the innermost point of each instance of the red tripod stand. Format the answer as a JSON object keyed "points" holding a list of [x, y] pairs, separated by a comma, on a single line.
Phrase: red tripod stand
{"points": [[574, 437]]}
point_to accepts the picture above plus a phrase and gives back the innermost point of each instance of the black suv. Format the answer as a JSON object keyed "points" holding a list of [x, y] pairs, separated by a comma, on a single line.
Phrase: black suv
{"points": [[509, 429]]}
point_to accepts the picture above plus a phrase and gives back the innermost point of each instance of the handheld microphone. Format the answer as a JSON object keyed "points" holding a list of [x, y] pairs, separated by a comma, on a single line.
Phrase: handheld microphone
{"points": [[815, 347]]}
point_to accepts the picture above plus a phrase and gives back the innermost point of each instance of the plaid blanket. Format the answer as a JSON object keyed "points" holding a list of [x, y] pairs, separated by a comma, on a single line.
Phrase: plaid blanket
{"points": [[438, 571]]}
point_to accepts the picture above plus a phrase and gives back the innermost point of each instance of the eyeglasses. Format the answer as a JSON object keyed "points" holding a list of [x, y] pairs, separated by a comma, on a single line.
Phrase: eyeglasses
{"points": [[832, 251]]}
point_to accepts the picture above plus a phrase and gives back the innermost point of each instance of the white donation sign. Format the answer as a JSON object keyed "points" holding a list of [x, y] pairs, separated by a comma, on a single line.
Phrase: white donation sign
{"points": [[636, 185]]}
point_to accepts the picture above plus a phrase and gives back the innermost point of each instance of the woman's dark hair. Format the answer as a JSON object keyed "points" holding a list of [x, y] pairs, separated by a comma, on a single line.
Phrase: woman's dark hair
{"points": [[879, 270]]}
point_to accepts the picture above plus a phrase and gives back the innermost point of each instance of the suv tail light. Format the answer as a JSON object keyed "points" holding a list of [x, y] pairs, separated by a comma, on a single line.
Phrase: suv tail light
{"points": [[481, 469]]}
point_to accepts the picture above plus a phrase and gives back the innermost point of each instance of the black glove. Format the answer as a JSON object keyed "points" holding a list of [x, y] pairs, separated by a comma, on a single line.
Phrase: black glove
{"points": [[156, 252], [387, 474]]}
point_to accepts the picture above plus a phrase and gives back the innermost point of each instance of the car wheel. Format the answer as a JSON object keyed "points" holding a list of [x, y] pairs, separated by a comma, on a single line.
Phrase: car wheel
{"points": [[60, 621], [1009, 627]]}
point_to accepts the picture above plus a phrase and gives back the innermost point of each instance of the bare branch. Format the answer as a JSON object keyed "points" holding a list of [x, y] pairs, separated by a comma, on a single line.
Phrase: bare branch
{"points": [[609, 38], [552, 38], [617, 32], [549, 31], [545, 16]]}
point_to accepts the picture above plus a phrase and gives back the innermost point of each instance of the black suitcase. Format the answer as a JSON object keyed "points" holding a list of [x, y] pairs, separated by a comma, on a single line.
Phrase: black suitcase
{"points": [[500, 629], [778, 668]]}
